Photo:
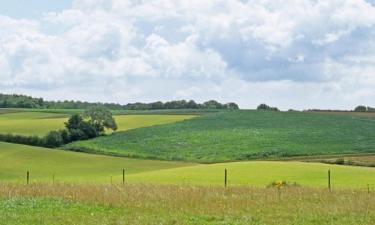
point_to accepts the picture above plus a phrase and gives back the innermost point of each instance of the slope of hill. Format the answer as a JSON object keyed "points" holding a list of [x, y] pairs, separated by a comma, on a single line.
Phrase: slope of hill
{"points": [[67, 166], [40, 123], [262, 174], [241, 135], [43, 163]]}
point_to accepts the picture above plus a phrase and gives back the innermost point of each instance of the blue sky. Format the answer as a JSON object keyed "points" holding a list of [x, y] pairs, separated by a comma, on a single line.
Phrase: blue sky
{"points": [[291, 54], [32, 9]]}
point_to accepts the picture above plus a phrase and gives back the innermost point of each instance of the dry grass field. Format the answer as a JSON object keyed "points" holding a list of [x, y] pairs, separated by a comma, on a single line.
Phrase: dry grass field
{"points": [[168, 204]]}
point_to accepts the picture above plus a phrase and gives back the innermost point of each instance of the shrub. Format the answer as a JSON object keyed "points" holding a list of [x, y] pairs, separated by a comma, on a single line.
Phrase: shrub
{"points": [[54, 139]]}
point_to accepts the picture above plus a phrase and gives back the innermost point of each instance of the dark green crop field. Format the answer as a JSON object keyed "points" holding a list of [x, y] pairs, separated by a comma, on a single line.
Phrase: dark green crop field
{"points": [[241, 135]]}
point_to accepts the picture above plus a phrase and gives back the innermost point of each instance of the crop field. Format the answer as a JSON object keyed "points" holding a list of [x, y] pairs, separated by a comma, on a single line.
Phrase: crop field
{"points": [[40, 123], [241, 135], [67, 187]]}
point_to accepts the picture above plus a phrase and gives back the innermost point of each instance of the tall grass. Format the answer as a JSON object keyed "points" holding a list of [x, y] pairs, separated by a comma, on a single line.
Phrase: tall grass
{"points": [[173, 204]]}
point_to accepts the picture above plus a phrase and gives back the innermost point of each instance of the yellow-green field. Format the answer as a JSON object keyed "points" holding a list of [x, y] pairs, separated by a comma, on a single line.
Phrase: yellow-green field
{"points": [[40, 123], [43, 163], [79, 167], [138, 204]]}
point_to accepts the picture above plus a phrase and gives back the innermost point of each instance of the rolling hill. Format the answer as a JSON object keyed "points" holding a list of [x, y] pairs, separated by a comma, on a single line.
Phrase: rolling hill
{"points": [[75, 167], [41, 122], [241, 135]]}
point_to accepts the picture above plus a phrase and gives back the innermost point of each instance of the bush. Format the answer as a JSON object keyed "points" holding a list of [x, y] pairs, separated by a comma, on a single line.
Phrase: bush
{"points": [[54, 139]]}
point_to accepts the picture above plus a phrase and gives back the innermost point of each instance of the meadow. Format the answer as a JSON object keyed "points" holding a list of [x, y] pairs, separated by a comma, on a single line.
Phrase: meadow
{"points": [[41, 122], [65, 166], [241, 135], [38, 204], [68, 166]]}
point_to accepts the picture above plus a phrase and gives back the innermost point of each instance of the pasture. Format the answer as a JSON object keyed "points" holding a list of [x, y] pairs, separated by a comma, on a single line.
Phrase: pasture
{"points": [[67, 166], [241, 135], [40, 123], [37, 204]]}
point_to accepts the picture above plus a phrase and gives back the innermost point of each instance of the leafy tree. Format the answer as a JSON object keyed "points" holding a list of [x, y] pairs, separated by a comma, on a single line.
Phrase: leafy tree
{"points": [[100, 118], [79, 129], [266, 107], [360, 108], [54, 139]]}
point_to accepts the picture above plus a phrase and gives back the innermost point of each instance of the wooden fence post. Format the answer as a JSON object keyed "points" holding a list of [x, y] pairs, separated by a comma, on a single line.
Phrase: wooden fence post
{"points": [[225, 178], [27, 177], [329, 180], [123, 176]]}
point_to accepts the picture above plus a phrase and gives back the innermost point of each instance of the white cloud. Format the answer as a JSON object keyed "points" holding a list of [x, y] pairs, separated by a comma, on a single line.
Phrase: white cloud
{"points": [[288, 53]]}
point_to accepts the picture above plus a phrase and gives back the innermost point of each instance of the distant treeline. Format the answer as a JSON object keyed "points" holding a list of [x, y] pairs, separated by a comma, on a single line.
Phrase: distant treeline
{"points": [[360, 108], [23, 101]]}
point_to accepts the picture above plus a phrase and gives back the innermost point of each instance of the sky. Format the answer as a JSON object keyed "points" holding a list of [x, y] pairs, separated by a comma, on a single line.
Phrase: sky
{"points": [[298, 54]]}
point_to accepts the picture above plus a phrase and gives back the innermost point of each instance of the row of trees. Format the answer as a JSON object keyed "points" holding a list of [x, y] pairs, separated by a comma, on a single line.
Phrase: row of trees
{"points": [[22, 101], [362, 108], [267, 107], [91, 124]]}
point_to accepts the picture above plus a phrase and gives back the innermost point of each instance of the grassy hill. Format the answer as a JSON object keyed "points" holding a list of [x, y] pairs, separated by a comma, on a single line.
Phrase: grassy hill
{"points": [[80, 167], [241, 135], [68, 166], [41, 122], [261, 174]]}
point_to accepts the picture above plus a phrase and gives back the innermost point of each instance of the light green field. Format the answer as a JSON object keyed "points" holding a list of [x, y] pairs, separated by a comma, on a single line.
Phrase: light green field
{"points": [[31, 123], [80, 167], [40, 123], [68, 166], [127, 122], [262, 173]]}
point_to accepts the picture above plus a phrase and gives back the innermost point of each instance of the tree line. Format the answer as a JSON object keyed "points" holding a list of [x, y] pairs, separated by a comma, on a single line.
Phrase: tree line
{"points": [[92, 123], [23, 101], [362, 108]]}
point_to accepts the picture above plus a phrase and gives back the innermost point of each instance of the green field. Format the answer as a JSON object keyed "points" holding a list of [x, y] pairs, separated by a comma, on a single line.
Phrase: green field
{"points": [[242, 135], [40, 123], [68, 166], [79, 167], [38, 204]]}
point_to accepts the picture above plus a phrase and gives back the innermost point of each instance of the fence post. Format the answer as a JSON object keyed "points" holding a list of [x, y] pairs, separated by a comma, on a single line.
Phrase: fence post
{"points": [[123, 176], [368, 188], [225, 178], [27, 177], [329, 180]]}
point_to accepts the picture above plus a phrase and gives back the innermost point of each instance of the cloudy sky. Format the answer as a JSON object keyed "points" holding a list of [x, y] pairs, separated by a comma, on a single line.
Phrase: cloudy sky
{"points": [[287, 53]]}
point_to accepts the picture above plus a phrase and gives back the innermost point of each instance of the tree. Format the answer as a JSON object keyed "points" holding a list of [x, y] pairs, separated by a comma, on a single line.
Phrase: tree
{"points": [[360, 108], [79, 129], [100, 118], [266, 107], [54, 139]]}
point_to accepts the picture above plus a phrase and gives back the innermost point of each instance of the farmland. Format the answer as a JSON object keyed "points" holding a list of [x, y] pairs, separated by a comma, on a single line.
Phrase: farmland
{"points": [[241, 135], [68, 166], [40, 123], [68, 187], [189, 205]]}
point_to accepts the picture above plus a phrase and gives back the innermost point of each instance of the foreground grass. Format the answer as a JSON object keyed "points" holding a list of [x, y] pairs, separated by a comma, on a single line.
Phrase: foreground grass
{"points": [[40, 123], [45, 163], [241, 135], [150, 204]]}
